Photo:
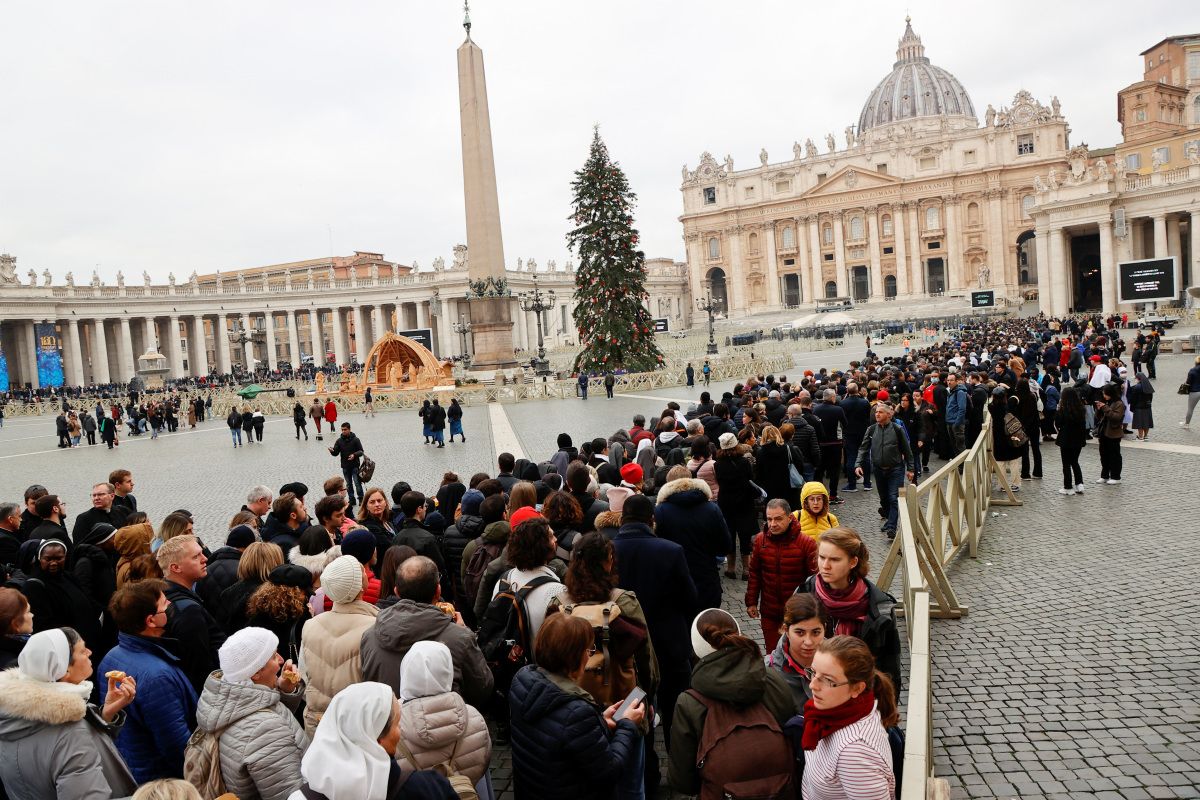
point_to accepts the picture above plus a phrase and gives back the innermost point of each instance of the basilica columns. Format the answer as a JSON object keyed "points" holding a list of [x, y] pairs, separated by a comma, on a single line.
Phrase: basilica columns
{"points": [[1160, 235], [773, 293], [898, 232], [1108, 268], [956, 275], [839, 255], [916, 264], [362, 338], [100, 372], [997, 251], [815, 263], [29, 352], [423, 315], [199, 357], [1059, 264], [873, 243], [1193, 275]]}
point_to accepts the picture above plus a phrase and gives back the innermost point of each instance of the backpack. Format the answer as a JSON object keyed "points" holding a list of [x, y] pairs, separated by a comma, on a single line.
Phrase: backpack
{"points": [[743, 753], [610, 673], [483, 554], [202, 763], [1015, 431], [504, 637], [460, 783], [366, 470]]}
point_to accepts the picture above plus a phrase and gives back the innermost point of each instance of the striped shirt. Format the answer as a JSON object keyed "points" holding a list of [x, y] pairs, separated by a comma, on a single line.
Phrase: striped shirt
{"points": [[854, 763]]}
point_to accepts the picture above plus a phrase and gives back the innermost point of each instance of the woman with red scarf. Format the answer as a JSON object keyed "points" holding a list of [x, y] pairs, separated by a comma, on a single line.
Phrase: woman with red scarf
{"points": [[854, 606], [847, 753]]}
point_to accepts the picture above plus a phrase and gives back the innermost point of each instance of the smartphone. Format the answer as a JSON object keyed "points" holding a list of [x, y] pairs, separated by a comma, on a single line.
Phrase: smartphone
{"points": [[635, 695]]}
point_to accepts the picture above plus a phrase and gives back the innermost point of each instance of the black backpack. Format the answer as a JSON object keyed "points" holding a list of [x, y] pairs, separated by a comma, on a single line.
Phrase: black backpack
{"points": [[504, 636], [483, 554]]}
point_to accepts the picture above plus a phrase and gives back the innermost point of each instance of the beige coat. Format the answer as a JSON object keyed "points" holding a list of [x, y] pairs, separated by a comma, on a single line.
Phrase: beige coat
{"points": [[329, 655], [432, 726]]}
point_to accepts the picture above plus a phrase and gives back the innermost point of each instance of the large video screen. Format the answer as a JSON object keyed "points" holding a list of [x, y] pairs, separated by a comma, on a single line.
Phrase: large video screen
{"points": [[1146, 280]]}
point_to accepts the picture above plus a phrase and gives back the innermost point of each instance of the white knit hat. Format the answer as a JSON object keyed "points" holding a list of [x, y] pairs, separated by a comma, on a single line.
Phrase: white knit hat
{"points": [[342, 580], [246, 652]]}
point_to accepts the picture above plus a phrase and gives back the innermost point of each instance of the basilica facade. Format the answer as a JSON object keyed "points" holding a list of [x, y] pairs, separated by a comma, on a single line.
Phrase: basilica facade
{"points": [[917, 199]]}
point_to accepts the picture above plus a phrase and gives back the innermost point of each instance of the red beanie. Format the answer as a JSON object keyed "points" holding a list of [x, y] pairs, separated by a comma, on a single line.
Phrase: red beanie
{"points": [[521, 514], [882, 396], [632, 473]]}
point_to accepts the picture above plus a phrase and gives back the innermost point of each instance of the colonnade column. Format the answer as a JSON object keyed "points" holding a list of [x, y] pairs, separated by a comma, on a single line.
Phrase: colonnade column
{"points": [[1175, 247], [221, 345], [29, 354], [99, 353], [916, 265], [804, 276], [873, 248], [1160, 235], [125, 346], [422, 315], [362, 337], [293, 329], [151, 335], [318, 344], [199, 359], [901, 250], [955, 278], [1108, 268], [340, 349], [815, 263], [379, 324], [75, 357], [175, 346], [839, 254], [269, 327]]}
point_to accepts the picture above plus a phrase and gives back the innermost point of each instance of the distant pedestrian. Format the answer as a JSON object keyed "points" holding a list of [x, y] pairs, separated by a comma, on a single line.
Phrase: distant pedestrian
{"points": [[423, 413], [609, 382], [707, 370], [691, 375], [582, 382], [455, 414], [350, 450], [234, 421], [317, 413], [248, 424], [437, 422], [89, 428], [369, 403], [260, 422], [300, 418]]}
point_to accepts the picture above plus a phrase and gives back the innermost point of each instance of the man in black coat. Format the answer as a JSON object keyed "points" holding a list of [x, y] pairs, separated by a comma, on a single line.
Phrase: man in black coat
{"points": [[102, 510], [29, 517], [52, 511], [657, 571], [350, 451], [286, 522], [858, 419], [414, 534], [833, 424], [188, 621], [223, 567], [10, 543]]}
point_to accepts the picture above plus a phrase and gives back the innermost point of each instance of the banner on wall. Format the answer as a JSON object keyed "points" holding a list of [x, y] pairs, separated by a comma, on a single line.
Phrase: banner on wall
{"points": [[3, 369], [49, 355]]}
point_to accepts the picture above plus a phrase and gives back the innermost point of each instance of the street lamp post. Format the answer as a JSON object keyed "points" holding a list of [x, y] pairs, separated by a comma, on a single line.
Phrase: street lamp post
{"points": [[462, 328], [241, 337], [539, 303], [709, 305]]}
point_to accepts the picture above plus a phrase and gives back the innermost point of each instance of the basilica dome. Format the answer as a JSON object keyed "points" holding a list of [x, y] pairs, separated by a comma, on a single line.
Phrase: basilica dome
{"points": [[915, 88]]}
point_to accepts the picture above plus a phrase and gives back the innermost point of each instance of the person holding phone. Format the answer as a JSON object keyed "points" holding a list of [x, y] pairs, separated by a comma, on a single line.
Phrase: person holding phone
{"points": [[564, 746]]}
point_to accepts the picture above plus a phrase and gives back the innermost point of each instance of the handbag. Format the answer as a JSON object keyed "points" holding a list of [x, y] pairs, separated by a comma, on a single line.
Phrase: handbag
{"points": [[366, 469], [1184, 388], [795, 479], [1015, 431]]}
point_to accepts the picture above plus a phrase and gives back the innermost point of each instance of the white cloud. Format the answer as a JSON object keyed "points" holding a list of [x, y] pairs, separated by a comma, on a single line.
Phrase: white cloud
{"points": [[157, 136]]}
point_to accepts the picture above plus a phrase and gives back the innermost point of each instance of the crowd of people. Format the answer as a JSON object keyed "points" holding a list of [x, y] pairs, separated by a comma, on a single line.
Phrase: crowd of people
{"points": [[573, 608]]}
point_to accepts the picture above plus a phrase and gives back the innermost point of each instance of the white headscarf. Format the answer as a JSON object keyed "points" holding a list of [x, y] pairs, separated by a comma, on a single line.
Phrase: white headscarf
{"points": [[426, 670], [46, 659], [345, 760]]}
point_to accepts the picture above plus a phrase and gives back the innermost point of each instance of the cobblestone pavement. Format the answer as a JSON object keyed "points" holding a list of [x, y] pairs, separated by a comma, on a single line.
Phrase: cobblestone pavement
{"points": [[1074, 675]]}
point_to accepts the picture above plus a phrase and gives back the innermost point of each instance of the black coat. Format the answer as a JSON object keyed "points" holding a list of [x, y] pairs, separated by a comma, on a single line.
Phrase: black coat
{"points": [[232, 616], [686, 515], [592, 508], [771, 472], [657, 571], [84, 522], [222, 573], [197, 631], [384, 535], [561, 748], [1071, 432], [10, 649], [10, 545], [454, 541], [436, 418]]}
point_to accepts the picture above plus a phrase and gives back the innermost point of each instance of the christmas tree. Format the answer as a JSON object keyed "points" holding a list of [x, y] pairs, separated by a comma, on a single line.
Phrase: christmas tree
{"points": [[615, 328]]}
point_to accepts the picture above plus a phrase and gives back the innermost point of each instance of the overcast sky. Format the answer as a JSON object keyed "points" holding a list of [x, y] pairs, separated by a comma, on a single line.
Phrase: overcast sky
{"points": [[166, 136]]}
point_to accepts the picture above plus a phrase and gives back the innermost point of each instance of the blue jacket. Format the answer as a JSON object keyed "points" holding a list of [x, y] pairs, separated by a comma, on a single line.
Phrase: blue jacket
{"points": [[561, 749], [162, 717], [657, 571], [956, 406]]}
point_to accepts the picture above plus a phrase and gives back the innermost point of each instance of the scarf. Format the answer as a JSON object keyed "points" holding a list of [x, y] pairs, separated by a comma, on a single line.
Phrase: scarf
{"points": [[847, 607], [822, 722]]}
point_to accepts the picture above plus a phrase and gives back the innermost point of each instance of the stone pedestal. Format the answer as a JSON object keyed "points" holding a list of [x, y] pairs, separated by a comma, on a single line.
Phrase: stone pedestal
{"points": [[152, 368], [491, 332]]}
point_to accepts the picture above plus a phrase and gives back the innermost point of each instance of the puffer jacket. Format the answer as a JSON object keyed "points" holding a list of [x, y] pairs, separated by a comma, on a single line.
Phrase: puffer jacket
{"points": [[454, 544], [131, 542], [561, 747], [330, 655], [52, 744], [813, 526], [686, 515], [261, 743], [779, 564], [434, 727], [732, 676], [222, 573]]}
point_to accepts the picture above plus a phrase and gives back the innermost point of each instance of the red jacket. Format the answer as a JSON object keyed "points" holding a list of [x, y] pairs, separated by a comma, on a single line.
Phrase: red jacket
{"points": [[778, 565], [330, 412]]}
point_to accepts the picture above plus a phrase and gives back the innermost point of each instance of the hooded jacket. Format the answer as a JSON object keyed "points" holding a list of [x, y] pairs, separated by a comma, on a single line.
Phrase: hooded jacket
{"points": [[732, 676], [222, 573], [779, 661], [52, 744], [778, 565], [435, 722], [561, 748], [260, 742], [131, 542], [455, 541], [813, 526], [330, 655], [397, 628], [686, 515]]}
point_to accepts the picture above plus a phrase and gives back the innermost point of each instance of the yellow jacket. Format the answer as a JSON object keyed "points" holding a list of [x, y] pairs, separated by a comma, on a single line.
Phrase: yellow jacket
{"points": [[812, 526]]}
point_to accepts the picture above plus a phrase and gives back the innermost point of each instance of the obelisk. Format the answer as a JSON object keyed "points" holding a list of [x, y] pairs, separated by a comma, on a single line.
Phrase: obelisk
{"points": [[491, 317]]}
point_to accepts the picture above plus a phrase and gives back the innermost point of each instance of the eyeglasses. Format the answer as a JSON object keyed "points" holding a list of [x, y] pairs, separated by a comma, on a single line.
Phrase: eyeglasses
{"points": [[825, 680], [591, 651]]}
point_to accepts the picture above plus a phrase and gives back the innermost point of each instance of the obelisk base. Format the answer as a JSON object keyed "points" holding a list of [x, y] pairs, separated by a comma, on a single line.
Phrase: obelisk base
{"points": [[491, 332]]}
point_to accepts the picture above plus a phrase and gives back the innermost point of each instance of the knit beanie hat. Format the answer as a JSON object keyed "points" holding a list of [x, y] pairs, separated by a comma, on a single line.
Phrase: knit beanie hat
{"points": [[471, 501], [342, 580], [246, 652], [240, 536], [521, 514], [727, 441], [359, 543], [632, 474]]}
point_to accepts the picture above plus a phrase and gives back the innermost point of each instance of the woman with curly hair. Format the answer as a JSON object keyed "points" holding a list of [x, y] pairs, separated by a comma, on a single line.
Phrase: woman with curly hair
{"points": [[281, 606], [565, 516]]}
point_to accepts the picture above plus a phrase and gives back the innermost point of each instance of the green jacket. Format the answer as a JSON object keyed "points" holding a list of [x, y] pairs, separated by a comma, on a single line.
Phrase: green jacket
{"points": [[731, 675], [494, 533]]}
